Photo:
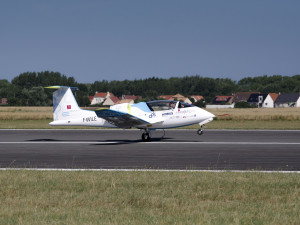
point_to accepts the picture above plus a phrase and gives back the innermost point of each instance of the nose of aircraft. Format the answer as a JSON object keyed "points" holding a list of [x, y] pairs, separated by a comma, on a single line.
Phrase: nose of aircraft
{"points": [[210, 114], [206, 114]]}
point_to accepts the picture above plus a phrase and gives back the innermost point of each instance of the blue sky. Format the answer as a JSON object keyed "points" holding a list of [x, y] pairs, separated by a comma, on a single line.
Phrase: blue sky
{"points": [[133, 39]]}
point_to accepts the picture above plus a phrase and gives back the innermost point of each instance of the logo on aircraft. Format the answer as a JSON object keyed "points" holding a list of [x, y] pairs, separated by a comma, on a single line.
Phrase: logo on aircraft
{"points": [[68, 106], [152, 115]]}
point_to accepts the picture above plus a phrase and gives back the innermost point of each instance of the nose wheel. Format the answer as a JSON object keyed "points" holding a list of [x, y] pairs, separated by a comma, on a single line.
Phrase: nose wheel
{"points": [[200, 131]]}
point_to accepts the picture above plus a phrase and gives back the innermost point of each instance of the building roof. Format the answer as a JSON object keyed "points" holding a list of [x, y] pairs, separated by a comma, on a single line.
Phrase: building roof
{"points": [[125, 101], [274, 96], [197, 97], [114, 99], [91, 98], [222, 98], [242, 96], [167, 97], [103, 94], [178, 96], [286, 98], [254, 97], [111, 101], [100, 95]]}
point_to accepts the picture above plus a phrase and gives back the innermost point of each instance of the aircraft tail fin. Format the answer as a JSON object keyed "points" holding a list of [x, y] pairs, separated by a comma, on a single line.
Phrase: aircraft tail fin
{"points": [[64, 102]]}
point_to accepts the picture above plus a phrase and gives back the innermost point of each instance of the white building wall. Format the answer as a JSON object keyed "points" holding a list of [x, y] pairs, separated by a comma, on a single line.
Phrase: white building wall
{"points": [[220, 106], [298, 102], [268, 103], [282, 105], [97, 100], [108, 102], [187, 101]]}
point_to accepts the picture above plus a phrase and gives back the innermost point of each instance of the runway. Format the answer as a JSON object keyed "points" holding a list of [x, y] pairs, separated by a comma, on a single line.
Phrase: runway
{"points": [[123, 149]]}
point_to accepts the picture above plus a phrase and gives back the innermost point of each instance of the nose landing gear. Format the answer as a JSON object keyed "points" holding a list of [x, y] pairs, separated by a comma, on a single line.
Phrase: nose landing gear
{"points": [[200, 131]]}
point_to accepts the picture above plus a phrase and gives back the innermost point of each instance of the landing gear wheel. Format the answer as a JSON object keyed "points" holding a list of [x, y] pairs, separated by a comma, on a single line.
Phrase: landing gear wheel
{"points": [[200, 132], [146, 137]]}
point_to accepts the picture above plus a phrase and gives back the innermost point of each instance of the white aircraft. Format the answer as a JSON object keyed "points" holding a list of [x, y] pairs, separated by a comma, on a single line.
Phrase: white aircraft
{"points": [[152, 115]]}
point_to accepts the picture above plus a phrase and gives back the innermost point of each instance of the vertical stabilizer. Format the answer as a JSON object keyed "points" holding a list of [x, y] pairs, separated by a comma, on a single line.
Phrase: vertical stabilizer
{"points": [[64, 103]]}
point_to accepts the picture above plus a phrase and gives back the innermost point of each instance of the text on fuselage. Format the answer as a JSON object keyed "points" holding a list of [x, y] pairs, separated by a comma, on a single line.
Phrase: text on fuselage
{"points": [[89, 119]]}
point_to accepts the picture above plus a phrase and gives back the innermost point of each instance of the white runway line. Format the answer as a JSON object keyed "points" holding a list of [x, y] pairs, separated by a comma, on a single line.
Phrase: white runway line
{"points": [[148, 170], [148, 143]]}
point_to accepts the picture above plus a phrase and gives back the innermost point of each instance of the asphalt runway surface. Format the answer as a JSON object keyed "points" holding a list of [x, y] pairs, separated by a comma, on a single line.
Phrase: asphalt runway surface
{"points": [[123, 149]]}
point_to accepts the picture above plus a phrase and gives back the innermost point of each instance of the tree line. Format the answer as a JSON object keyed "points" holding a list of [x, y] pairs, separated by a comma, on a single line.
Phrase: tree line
{"points": [[27, 88]]}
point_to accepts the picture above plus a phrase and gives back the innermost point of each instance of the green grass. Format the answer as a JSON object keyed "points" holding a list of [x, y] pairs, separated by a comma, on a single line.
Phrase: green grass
{"points": [[56, 197]]}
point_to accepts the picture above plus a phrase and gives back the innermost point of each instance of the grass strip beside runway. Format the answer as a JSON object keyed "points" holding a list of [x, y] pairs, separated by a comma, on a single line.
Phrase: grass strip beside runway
{"points": [[84, 197], [257, 118], [216, 124]]}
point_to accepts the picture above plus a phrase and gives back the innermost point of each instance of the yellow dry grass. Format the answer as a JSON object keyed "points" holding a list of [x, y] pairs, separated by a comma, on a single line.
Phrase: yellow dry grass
{"points": [[25, 113], [262, 114], [277, 118]]}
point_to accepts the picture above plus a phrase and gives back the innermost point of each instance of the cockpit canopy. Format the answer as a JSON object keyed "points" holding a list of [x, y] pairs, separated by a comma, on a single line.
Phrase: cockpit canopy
{"points": [[160, 105]]}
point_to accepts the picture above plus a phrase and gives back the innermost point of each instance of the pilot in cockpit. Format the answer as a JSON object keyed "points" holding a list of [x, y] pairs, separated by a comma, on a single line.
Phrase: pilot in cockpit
{"points": [[172, 105]]}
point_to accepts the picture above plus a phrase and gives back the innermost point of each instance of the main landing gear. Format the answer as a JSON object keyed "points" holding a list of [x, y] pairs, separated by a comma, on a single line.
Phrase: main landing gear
{"points": [[146, 136]]}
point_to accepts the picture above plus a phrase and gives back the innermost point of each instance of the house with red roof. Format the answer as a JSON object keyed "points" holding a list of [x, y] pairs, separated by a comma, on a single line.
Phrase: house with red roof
{"points": [[110, 101], [222, 100], [91, 98], [100, 97], [197, 97], [177, 97], [270, 100], [166, 97], [129, 101], [242, 96]]}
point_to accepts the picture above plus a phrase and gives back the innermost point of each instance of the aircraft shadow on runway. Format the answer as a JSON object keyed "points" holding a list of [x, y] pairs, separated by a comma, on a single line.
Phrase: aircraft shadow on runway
{"points": [[109, 141]]}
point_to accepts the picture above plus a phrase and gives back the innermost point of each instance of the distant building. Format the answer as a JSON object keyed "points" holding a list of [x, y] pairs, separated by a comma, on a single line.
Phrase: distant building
{"points": [[133, 97], [257, 99], [129, 101], [270, 100], [222, 100], [166, 97], [177, 97], [99, 97], [110, 101], [197, 97], [91, 99], [288, 100], [242, 96], [3, 101]]}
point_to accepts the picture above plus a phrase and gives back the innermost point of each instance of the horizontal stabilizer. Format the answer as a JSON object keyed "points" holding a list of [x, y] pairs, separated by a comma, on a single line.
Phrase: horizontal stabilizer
{"points": [[58, 87]]}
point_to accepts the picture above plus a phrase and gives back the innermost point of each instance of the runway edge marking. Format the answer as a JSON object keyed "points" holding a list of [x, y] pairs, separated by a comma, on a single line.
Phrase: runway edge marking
{"points": [[146, 170]]}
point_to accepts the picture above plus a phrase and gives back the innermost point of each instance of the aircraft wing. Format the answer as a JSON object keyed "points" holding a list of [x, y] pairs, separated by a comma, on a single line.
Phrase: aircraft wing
{"points": [[120, 119]]}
